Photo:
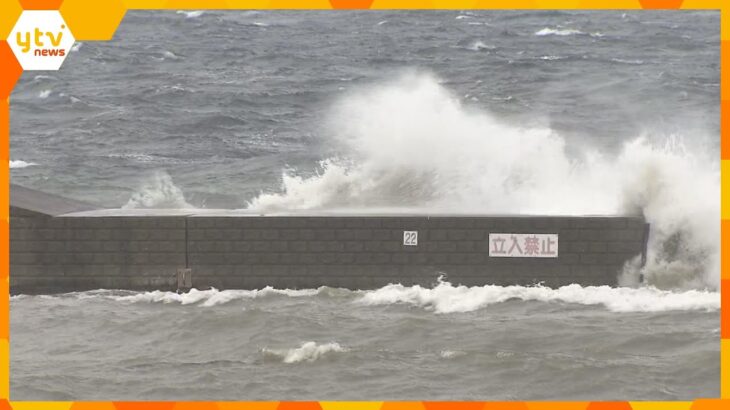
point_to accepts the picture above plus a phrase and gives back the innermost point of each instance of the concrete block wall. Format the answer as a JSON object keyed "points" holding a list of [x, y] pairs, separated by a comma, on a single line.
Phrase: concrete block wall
{"points": [[368, 252], [60, 254], [67, 253]]}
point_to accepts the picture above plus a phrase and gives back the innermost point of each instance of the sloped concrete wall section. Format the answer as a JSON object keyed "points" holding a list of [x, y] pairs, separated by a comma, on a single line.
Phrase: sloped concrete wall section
{"points": [[143, 250]]}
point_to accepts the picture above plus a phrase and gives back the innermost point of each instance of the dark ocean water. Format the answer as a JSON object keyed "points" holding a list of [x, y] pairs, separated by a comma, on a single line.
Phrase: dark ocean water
{"points": [[395, 343], [555, 112], [224, 101]]}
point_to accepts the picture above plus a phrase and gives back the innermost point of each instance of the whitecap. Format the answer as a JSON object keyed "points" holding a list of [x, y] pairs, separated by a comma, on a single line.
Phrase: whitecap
{"points": [[191, 14], [17, 164], [551, 58], [446, 298], [307, 352], [450, 354], [628, 61], [169, 55], [557, 32], [479, 46], [207, 298]]}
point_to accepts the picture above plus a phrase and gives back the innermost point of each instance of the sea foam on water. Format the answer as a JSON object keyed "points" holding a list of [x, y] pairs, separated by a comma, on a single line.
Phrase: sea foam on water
{"points": [[307, 352], [442, 298], [446, 298]]}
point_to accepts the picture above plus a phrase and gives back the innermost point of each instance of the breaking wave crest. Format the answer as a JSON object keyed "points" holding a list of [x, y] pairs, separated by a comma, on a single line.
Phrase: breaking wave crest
{"points": [[191, 14], [446, 298], [158, 192], [438, 155], [211, 297], [17, 164], [307, 352], [480, 46], [441, 298], [450, 354], [564, 32], [557, 32]]}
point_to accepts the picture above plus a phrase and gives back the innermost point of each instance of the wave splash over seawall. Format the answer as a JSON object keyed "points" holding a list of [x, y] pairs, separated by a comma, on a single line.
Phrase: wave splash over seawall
{"points": [[411, 143], [158, 191]]}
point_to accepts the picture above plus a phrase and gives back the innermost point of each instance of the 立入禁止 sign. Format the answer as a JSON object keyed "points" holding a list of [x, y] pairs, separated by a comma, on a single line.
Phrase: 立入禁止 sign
{"points": [[523, 245]]}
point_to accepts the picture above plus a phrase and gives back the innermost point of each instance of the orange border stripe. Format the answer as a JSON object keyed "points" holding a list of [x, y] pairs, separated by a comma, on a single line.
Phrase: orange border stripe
{"points": [[725, 129], [724, 302]]}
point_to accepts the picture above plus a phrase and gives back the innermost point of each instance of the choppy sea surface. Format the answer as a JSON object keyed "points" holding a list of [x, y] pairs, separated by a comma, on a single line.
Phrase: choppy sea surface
{"points": [[540, 112], [394, 343]]}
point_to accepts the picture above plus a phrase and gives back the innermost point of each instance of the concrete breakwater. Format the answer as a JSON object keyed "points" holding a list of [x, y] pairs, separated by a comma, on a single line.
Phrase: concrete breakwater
{"points": [[60, 245]]}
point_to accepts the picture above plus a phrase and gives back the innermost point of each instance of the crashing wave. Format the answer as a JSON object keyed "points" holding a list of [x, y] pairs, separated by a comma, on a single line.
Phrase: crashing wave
{"points": [[158, 192], [439, 155]]}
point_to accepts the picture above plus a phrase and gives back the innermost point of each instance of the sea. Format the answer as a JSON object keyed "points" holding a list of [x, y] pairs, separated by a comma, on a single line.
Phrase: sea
{"points": [[509, 112]]}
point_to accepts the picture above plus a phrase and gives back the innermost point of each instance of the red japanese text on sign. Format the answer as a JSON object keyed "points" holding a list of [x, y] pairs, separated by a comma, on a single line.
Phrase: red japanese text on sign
{"points": [[523, 245]]}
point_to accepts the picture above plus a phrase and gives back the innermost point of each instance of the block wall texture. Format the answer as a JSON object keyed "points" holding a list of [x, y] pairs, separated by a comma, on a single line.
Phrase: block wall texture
{"points": [[58, 254]]}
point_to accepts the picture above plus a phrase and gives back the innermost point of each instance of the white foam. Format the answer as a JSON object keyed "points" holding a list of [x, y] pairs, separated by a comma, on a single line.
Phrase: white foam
{"points": [[627, 61], [18, 164], [438, 155], [446, 298], [44, 94], [139, 157], [191, 14], [551, 58], [18, 297], [169, 55], [479, 46], [442, 298], [557, 32], [158, 191], [450, 354], [307, 352], [207, 298]]}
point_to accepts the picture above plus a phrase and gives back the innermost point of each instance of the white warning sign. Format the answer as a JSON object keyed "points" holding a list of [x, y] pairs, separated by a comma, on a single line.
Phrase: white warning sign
{"points": [[523, 245]]}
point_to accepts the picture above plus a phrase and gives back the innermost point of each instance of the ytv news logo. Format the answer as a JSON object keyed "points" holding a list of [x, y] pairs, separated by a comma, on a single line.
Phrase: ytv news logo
{"points": [[41, 40]]}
